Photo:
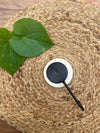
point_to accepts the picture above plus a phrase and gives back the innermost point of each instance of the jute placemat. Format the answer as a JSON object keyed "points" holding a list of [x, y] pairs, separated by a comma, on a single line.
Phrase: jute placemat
{"points": [[27, 102]]}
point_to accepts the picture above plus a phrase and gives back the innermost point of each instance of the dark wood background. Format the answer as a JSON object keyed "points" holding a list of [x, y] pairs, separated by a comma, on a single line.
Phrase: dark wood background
{"points": [[9, 8]]}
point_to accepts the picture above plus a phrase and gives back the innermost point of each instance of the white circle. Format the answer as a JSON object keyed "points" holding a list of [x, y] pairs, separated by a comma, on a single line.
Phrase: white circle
{"points": [[68, 78]]}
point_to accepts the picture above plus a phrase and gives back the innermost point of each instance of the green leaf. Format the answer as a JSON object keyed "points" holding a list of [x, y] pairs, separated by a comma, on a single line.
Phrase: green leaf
{"points": [[4, 36], [28, 39], [9, 60], [31, 38]]}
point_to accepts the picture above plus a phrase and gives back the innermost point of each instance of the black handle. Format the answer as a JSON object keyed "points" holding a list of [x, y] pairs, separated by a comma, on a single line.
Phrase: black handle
{"points": [[76, 100]]}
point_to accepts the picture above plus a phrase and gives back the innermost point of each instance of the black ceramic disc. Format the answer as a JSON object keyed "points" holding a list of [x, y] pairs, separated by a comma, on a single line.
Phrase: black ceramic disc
{"points": [[57, 72]]}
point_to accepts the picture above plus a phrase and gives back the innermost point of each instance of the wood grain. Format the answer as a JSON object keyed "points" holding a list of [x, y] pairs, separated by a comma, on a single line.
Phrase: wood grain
{"points": [[9, 8], [5, 128]]}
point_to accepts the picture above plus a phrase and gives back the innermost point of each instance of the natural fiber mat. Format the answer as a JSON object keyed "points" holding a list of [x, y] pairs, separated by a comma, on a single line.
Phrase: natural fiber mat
{"points": [[27, 102]]}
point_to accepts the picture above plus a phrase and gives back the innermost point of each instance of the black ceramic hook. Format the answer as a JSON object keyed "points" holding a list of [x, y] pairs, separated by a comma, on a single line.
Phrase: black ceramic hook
{"points": [[57, 73]]}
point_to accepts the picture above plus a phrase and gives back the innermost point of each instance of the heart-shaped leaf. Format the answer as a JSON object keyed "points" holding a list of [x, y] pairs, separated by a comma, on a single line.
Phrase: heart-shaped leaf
{"points": [[32, 38], [9, 60], [28, 39]]}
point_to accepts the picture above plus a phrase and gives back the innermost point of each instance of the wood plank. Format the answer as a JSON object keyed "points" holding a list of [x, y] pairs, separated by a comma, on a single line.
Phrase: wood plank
{"points": [[5, 128], [8, 8]]}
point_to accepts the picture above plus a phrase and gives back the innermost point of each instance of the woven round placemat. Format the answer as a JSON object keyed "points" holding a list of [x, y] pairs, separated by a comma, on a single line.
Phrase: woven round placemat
{"points": [[27, 102]]}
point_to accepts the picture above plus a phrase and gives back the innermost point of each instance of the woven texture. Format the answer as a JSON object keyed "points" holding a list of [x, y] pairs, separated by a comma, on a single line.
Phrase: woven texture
{"points": [[28, 102]]}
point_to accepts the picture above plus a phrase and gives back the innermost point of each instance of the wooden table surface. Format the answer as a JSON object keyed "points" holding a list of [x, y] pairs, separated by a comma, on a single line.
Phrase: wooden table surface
{"points": [[9, 8]]}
